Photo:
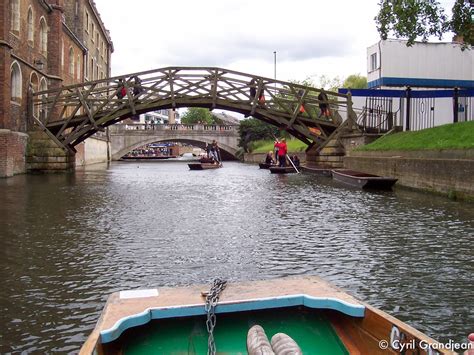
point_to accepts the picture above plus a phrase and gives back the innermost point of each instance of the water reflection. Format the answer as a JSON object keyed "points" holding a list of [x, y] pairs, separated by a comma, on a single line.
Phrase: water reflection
{"points": [[67, 241]]}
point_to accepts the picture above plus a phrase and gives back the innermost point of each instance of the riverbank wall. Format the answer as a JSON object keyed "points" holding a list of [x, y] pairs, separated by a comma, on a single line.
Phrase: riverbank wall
{"points": [[93, 150], [12, 152], [447, 172]]}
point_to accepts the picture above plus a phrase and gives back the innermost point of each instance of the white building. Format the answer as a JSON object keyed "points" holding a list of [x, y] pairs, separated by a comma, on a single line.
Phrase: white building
{"points": [[441, 71], [390, 63], [163, 116]]}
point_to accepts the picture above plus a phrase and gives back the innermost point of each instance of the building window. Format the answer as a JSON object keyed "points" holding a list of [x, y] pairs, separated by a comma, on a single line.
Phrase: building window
{"points": [[92, 69], [62, 54], [71, 62], [43, 36], [34, 84], [15, 77], [15, 15], [86, 67], [92, 32], [78, 66], [373, 62], [30, 26], [86, 27], [44, 106]]}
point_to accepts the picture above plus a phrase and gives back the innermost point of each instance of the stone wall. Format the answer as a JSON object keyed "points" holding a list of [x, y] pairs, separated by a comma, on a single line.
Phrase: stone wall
{"points": [[12, 152], [447, 172], [92, 151], [43, 155]]}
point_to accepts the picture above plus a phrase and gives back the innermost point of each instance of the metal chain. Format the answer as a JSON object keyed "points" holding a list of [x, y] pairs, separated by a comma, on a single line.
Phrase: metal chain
{"points": [[212, 298]]}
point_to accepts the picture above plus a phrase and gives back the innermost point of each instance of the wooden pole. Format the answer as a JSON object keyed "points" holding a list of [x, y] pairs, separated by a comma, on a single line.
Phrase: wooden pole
{"points": [[294, 166]]}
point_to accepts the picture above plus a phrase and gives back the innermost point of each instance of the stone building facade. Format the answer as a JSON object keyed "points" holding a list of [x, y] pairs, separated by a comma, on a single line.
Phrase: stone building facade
{"points": [[43, 44]]}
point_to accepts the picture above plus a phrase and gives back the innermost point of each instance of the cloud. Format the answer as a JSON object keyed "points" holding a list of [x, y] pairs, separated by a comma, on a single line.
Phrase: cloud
{"points": [[308, 36]]}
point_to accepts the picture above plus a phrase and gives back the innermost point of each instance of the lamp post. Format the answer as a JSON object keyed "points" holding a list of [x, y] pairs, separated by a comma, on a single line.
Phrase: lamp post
{"points": [[275, 67]]}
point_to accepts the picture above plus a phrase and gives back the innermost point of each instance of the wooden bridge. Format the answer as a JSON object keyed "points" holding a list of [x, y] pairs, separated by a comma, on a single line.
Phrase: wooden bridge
{"points": [[71, 114]]}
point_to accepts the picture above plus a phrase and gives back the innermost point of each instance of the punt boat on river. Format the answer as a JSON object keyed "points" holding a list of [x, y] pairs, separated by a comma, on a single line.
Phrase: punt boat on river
{"points": [[265, 165], [204, 166], [319, 317], [363, 180], [205, 163], [282, 170]]}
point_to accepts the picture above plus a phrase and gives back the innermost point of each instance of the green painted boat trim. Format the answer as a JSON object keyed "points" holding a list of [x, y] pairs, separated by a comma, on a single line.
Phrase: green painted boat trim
{"points": [[353, 310], [309, 328]]}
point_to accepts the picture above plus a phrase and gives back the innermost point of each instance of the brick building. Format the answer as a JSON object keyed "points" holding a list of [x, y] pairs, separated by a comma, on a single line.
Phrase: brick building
{"points": [[43, 44]]}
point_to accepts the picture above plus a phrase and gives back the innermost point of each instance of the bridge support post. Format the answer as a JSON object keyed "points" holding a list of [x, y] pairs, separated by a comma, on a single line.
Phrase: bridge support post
{"points": [[44, 156]]}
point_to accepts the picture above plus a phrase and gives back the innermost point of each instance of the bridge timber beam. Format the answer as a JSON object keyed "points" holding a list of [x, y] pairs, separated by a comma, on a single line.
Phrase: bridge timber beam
{"points": [[73, 113]]}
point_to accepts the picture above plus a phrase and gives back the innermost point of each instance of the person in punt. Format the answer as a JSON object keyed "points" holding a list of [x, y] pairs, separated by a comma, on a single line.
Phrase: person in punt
{"points": [[269, 158]]}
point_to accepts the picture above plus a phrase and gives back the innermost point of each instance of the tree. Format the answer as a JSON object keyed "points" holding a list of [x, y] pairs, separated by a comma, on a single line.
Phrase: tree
{"points": [[322, 82], [253, 129], [413, 19], [199, 115], [355, 81]]}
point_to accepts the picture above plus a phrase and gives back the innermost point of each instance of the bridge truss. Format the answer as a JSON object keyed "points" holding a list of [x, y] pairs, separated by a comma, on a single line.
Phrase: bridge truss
{"points": [[70, 114]]}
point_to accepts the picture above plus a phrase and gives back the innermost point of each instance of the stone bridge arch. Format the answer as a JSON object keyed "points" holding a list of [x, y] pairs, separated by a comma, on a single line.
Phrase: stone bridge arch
{"points": [[125, 138], [71, 114]]}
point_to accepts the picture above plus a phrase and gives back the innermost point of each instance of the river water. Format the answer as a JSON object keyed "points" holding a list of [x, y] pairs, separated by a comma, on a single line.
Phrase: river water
{"points": [[67, 241]]}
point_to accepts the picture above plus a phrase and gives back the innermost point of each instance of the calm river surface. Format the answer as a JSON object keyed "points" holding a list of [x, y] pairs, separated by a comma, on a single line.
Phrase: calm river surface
{"points": [[68, 241]]}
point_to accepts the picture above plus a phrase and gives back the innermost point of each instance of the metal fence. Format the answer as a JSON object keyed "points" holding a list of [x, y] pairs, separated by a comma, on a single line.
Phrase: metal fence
{"points": [[381, 110]]}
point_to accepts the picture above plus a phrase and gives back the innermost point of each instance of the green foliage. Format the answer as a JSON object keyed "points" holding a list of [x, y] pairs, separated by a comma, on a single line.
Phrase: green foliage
{"points": [[252, 130], [421, 19], [322, 82], [264, 146], [450, 136], [462, 21], [355, 81], [199, 115]]}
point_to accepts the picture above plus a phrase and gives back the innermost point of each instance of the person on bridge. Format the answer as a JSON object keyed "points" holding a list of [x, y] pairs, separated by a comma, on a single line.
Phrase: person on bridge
{"points": [[261, 97], [323, 104], [121, 91], [282, 150], [253, 89], [137, 87], [300, 95]]}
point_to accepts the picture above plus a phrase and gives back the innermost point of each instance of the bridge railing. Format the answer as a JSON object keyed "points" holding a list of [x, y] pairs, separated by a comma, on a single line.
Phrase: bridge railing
{"points": [[215, 129]]}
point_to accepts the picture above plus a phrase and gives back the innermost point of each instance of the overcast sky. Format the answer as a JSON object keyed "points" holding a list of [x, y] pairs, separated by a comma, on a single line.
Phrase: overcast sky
{"points": [[311, 37]]}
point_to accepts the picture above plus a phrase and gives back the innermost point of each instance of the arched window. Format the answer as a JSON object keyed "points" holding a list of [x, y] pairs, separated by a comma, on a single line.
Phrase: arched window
{"points": [[31, 36], [78, 67], [43, 107], [43, 36], [34, 83], [71, 62], [62, 54], [15, 15], [15, 83]]}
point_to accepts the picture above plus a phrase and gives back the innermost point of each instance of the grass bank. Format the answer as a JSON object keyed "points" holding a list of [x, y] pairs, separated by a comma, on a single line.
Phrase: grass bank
{"points": [[450, 136], [294, 146]]}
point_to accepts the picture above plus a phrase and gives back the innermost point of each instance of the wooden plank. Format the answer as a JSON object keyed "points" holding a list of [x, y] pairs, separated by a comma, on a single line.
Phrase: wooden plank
{"points": [[86, 108]]}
